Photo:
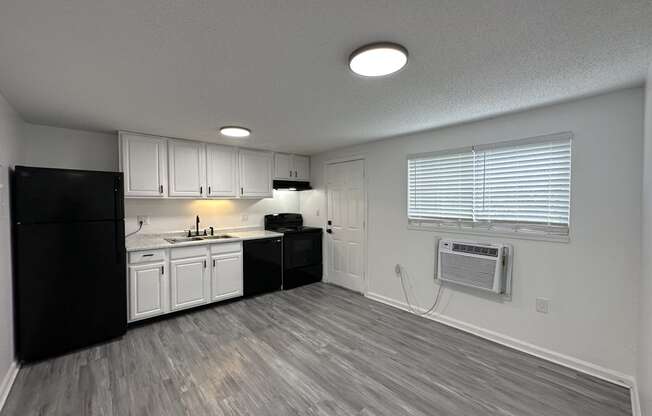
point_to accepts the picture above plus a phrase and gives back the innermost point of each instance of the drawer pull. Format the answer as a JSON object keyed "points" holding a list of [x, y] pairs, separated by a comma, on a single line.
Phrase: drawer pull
{"points": [[148, 255]]}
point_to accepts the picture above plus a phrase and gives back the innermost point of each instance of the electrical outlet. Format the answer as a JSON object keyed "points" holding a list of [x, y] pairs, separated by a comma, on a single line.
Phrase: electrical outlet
{"points": [[245, 217], [317, 213], [543, 305], [143, 218]]}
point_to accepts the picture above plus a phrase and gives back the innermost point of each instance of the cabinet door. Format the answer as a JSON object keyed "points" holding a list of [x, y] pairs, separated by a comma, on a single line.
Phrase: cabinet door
{"points": [[187, 168], [226, 276], [188, 283], [221, 170], [283, 168], [301, 168], [143, 159], [255, 174], [147, 288]]}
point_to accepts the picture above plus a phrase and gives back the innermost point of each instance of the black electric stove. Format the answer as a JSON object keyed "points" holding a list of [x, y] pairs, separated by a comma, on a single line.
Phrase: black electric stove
{"points": [[302, 249]]}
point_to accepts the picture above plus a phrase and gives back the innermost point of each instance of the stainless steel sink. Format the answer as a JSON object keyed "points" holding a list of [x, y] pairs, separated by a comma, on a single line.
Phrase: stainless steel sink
{"points": [[216, 237], [177, 240]]}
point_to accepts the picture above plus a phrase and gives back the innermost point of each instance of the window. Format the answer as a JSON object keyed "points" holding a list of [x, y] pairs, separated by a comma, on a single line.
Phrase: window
{"points": [[514, 187]]}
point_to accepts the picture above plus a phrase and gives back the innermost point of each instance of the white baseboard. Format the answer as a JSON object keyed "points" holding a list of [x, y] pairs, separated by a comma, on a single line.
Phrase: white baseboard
{"points": [[586, 367], [7, 382]]}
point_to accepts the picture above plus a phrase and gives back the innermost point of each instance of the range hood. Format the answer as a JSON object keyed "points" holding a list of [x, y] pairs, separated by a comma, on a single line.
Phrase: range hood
{"points": [[292, 185]]}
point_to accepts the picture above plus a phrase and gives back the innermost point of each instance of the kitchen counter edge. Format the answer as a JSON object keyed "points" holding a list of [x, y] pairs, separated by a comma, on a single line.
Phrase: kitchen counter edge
{"points": [[158, 242]]}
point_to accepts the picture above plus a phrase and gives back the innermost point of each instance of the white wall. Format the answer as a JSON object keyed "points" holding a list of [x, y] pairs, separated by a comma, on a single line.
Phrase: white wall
{"points": [[645, 293], [10, 154], [177, 214], [592, 281], [56, 147]]}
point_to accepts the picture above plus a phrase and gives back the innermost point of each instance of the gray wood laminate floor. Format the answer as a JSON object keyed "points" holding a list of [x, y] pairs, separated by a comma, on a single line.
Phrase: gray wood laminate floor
{"points": [[315, 350]]}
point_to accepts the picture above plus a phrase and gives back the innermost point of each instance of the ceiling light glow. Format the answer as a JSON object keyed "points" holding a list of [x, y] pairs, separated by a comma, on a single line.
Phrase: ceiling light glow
{"points": [[378, 59], [235, 131]]}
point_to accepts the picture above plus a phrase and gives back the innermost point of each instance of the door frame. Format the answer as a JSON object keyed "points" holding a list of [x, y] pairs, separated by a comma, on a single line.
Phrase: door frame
{"points": [[365, 184]]}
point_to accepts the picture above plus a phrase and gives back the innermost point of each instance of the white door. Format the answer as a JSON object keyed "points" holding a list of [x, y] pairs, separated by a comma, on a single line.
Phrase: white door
{"points": [[283, 168], [226, 276], [147, 291], [346, 223], [256, 174], [301, 168], [188, 283], [143, 160], [187, 168], [221, 171]]}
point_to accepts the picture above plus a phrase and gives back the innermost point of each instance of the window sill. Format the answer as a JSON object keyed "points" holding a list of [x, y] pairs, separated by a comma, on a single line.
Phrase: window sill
{"points": [[489, 233]]}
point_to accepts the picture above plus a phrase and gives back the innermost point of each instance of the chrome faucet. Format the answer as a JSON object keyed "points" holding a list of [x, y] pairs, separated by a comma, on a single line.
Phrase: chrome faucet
{"points": [[197, 225]]}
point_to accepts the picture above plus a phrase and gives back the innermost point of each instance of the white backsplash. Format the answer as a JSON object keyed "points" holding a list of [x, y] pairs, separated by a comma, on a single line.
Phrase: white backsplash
{"points": [[179, 214]]}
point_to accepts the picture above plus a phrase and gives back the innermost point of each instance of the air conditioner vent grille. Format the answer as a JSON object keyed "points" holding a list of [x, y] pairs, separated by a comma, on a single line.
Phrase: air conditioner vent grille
{"points": [[471, 271]]}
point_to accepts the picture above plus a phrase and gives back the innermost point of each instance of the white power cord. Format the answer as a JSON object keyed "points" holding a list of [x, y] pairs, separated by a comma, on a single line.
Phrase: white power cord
{"points": [[399, 271]]}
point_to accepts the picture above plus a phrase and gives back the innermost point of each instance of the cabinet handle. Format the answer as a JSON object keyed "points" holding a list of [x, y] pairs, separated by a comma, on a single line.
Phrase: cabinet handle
{"points": [[160, 189], [201, 190], [213, 263], [295, 174], [163, 270], [209, 190], [241, 191], [204, 264], [290, 174]]}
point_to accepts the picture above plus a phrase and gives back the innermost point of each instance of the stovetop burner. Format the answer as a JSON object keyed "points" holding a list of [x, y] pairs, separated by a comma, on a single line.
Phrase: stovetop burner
{"points": [[287, 223]]}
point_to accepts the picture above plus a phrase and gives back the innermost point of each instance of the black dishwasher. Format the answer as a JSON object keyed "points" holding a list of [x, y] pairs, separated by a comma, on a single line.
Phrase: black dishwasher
{"points": [[263, 269]]}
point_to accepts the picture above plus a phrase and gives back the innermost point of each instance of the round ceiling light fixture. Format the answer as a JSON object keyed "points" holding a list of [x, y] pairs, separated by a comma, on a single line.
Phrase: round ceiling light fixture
{"points": [[378, 59], [235, 131]]}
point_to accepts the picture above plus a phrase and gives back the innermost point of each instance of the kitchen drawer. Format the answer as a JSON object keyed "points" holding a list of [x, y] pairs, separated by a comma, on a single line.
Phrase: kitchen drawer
{"points": [[226, 248], [146, 256], [186, 252]]}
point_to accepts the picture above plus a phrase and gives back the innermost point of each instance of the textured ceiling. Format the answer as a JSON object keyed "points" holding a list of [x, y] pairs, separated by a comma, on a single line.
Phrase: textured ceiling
{"points": [[185, 67]]}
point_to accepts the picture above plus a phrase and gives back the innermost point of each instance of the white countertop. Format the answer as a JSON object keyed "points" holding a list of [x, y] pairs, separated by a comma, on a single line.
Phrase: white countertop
{"points": [[140, 242]]}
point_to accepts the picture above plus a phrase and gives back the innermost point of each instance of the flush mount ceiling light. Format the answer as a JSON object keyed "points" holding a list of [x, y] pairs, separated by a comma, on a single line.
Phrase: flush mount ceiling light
{"points": [[378, 59], [235, 131]]}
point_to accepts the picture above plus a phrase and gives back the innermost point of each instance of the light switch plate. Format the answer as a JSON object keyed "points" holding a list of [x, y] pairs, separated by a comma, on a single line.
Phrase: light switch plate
{"points": [[543, 305]]}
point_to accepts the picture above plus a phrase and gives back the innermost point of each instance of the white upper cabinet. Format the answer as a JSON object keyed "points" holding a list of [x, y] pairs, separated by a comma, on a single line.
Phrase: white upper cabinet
{"points": [[283, 168], [301, 168], [291, 167], [221, 171], [187, 168], [143, 159], [256, 174], [158, 167]]}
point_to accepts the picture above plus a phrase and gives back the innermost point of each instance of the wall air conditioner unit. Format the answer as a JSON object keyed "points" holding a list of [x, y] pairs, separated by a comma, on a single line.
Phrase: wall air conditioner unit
{"points": [[487, 267]]}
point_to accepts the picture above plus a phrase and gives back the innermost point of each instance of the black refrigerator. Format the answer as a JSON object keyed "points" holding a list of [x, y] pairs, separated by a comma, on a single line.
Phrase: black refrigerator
{"points": [[69, 259]]}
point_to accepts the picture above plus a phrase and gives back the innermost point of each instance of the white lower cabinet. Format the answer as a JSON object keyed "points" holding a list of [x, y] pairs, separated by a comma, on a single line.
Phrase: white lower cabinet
{"points": [[189, 277], [147, 290], [226, 276], [187, 283], [192, 276]]}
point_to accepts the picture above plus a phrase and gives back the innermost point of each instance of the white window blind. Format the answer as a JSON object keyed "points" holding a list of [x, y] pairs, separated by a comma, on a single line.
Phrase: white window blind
{"points": [[521, 186]]}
